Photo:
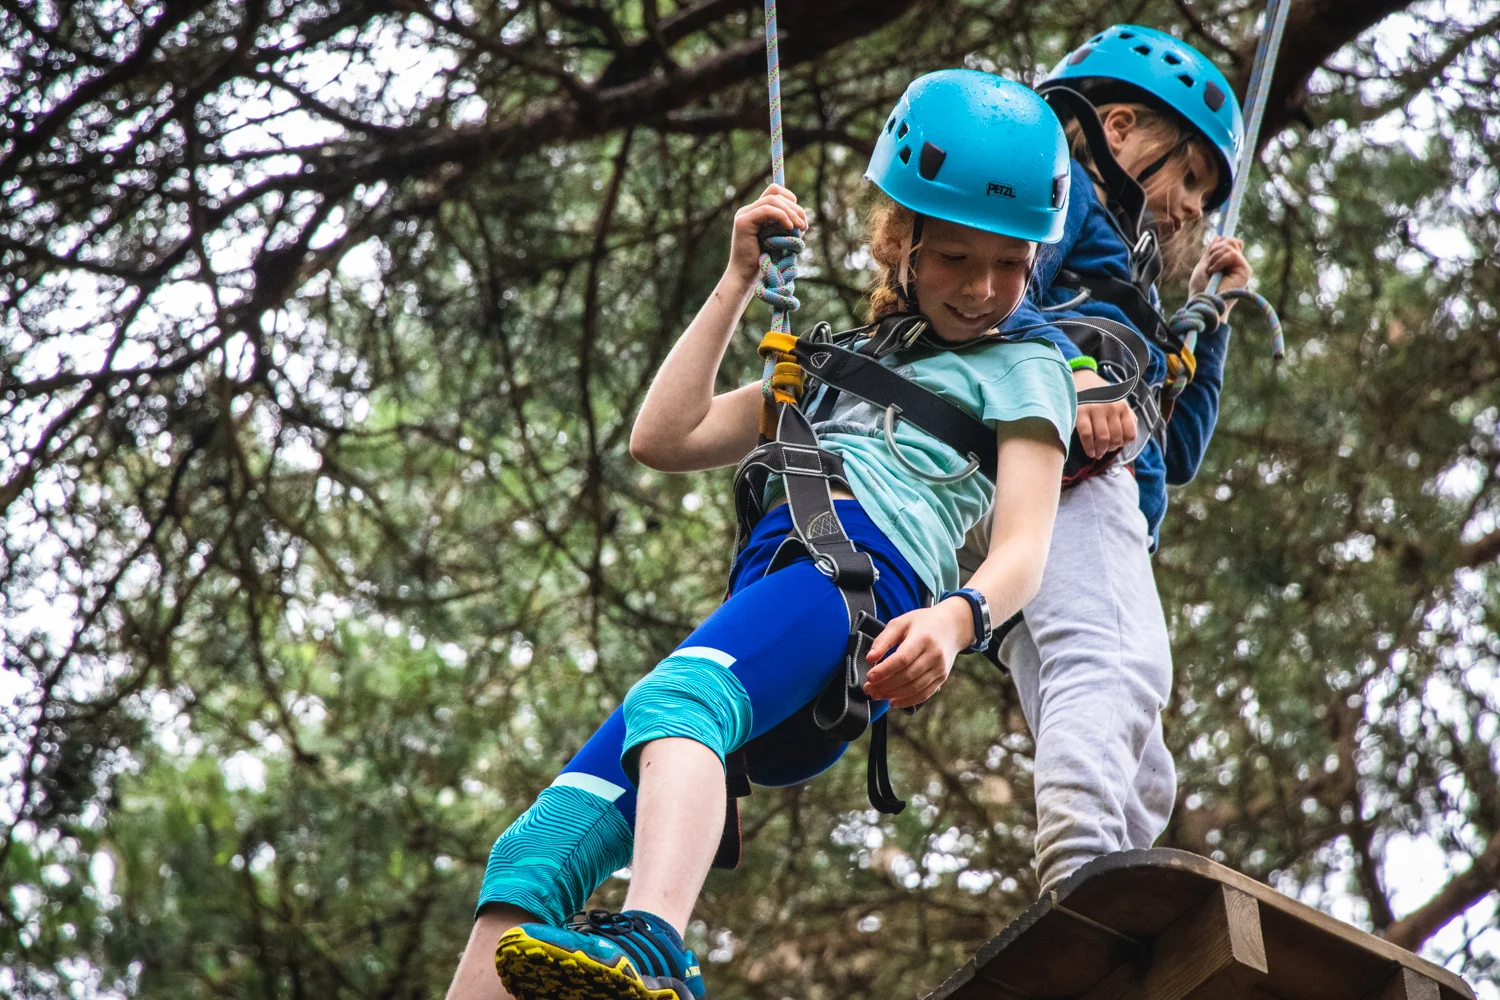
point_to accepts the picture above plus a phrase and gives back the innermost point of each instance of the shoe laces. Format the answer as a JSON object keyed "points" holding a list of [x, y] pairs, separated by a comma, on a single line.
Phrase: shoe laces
{"points": [[607, 922]]}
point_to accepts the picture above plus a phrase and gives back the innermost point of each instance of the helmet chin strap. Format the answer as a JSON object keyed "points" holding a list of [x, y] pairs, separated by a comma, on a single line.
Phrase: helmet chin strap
{"points": [[1183, 138]]}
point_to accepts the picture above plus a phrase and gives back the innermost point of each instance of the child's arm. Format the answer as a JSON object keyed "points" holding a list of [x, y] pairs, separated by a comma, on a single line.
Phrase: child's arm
{"points": [[682, 425], [1029, 479], [1197, 409]]}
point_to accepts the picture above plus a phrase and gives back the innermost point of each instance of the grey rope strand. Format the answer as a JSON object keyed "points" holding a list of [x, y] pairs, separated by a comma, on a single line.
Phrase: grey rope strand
{"points": [[778, 250]]}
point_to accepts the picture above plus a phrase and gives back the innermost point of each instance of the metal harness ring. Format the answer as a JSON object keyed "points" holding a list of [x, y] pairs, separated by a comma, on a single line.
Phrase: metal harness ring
{"points": [[892, 414]]}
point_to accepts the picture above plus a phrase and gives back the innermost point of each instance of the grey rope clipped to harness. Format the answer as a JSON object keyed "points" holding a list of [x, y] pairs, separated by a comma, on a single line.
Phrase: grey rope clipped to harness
{"points": [[779, 249], [1201, 313]]}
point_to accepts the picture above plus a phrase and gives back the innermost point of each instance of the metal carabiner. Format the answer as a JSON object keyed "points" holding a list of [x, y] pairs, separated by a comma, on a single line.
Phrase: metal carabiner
{"points": [[892, 414], [1078, 299]]}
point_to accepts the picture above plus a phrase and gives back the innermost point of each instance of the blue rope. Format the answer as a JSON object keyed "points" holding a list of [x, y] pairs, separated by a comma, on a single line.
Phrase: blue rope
{"points": [[778, 250]]}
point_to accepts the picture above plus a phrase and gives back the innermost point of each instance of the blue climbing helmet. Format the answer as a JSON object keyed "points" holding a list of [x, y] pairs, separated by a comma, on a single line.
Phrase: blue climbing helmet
{"points": [[1127, 63], [976, 149]]}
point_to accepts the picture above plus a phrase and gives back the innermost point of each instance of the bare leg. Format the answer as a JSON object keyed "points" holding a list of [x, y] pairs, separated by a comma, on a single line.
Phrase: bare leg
{"points": [[679, 818], [476, 978]]}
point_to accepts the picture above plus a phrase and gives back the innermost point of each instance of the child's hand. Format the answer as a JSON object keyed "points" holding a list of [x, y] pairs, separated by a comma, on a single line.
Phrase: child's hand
{"points": [[776, 207], [1224, 255], [925, 642], [1102, 427]]}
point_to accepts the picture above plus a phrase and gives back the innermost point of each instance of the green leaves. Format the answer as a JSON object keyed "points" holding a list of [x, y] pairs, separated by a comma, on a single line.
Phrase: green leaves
{"points": [[324, 549]]}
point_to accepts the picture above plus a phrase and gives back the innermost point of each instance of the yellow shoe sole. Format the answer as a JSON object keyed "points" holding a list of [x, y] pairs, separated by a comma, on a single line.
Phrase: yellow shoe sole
{"points": [[536, 970]]}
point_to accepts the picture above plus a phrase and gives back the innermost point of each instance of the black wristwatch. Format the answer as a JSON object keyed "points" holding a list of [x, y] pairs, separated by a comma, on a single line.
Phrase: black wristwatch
{"points": [[980, 608]]}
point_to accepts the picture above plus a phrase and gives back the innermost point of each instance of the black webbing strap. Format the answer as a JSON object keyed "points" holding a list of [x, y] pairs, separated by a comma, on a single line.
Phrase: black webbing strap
{"points": [[1127, 297], [1122, 356], [843, 709], [878, 770], [1115, 345], [737, 786], [997, 639], [808, 474]]}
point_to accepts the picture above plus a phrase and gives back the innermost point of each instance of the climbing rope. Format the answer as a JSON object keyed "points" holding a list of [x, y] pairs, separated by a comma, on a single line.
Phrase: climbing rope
{"points": [[1201, 314], [782, 379]]}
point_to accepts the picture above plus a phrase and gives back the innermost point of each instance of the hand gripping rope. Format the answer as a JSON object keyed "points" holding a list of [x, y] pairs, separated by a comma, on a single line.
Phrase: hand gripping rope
{"points": [[1202, 312], [782, 380]]}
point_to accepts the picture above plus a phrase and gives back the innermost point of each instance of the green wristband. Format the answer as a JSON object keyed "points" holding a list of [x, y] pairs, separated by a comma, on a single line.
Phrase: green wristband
{"points": [[1084, 361]]}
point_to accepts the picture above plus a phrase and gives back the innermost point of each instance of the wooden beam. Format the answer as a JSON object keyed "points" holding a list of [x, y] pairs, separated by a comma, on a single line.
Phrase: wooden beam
{"points": [[1214, 952], [1407, 985]]}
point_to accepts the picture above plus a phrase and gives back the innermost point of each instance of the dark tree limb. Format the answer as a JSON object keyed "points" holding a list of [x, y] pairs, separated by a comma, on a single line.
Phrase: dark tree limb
{"points": [[1461, 892], [1315, 30]]}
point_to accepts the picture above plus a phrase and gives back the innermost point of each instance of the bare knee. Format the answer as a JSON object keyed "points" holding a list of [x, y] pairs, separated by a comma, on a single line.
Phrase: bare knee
{"points": [[476, 978]]}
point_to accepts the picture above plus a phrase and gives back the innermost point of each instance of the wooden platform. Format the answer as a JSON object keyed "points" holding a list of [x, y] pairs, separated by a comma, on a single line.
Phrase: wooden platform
{"points": [[1168, 925]]}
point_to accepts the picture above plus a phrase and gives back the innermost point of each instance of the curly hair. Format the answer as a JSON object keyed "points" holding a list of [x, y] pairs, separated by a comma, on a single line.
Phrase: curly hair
{"points": [[890, 227]]}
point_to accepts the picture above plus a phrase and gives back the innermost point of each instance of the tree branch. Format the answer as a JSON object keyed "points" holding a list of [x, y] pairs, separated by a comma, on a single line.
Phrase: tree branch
{"points": [[1315, 30], [1480, 551], [1461, 892]]}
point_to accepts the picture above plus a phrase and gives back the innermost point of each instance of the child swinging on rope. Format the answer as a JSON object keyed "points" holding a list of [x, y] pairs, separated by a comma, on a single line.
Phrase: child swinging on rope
{"points": [[1154, 133], [849, 520]]}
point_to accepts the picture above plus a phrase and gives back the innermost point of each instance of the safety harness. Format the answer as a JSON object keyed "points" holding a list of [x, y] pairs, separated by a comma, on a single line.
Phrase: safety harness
{"points": [[826, 366]]}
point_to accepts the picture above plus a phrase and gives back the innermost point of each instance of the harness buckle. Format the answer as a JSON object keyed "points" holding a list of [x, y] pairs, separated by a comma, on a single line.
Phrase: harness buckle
{"points": [[859, 575]]}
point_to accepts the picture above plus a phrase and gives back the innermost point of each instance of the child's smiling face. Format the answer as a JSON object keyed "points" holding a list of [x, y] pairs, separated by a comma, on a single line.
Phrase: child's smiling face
{"points": [[969, 281]]}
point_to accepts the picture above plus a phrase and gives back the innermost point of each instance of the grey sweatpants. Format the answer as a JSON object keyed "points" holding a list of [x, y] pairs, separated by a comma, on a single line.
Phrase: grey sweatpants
{"points": [[1093, 667]]}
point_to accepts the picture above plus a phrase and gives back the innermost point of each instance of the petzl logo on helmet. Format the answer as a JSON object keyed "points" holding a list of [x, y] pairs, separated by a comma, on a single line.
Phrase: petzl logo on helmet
{"points": [[1003, 190]]}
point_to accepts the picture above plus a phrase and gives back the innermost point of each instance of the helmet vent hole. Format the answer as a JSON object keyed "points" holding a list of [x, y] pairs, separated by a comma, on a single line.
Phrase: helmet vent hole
{"points": [[1127, 34], [1080, 55], [901, 132], [1170, 59], [1059, 191], [1144, 50], [930, 161], [890, 125], [1187, 81], [1096, 39], [1213, 96], [905, 154]]}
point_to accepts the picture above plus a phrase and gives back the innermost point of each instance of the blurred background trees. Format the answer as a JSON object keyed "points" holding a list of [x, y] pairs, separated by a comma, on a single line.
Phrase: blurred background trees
{"points": [[324, 325]]}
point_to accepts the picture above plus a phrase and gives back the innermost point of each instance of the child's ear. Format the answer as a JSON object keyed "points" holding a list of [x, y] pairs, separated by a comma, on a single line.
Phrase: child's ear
{"points": [[1119, 121]]}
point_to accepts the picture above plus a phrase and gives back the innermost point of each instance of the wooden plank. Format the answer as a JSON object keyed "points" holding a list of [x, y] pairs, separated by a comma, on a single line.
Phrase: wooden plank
{"points": [[1408, 985], [1078, 955], [1214, 951], [1312, 920], [1093, 935], [1331, 960]]}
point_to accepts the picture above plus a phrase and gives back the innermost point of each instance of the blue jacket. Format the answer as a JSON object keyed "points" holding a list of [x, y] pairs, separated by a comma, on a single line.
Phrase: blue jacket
{"points": [[1091, 245]]}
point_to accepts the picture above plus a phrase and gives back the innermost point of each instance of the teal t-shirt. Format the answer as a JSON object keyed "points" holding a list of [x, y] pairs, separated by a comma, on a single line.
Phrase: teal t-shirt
{"points": [[927, 521]]}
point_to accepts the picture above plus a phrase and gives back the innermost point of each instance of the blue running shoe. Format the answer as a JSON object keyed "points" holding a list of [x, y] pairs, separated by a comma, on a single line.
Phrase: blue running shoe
{"points": [[599, 955]]}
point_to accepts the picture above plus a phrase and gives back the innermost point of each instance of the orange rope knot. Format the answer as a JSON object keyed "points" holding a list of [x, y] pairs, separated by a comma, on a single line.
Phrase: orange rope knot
{"points": [[1181, 367]]}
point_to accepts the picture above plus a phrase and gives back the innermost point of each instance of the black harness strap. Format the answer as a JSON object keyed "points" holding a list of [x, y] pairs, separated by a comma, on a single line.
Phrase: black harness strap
{"points": [[808, 474], [1128, 297], [1122, 356]]}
